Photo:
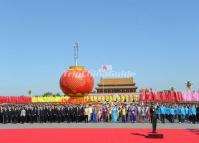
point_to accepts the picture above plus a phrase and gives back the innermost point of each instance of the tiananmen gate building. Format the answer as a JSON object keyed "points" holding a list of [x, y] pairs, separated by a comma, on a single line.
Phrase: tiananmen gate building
{"points": [[116, 85]]}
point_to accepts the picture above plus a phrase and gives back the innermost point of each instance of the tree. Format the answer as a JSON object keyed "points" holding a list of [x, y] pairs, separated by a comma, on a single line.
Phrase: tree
{"points": [[58, 94], [48, 94]]}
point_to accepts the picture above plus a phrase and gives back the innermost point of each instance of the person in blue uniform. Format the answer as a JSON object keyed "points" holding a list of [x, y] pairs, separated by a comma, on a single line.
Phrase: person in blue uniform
{"points": [[176, 112], [167, 112], [190, 114], [172, 114], [158, 112], [186, 113], [114, 114], [179, 114], [182, 109], [162, 113], [193, 116]]}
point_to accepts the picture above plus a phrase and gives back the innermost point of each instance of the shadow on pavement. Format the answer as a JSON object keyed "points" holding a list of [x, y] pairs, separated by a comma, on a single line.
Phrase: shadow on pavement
{"points": [[195, 131], [138, 134]]}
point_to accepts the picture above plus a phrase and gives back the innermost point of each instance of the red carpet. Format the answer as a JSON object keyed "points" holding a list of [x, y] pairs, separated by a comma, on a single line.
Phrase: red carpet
{"points": [[96, 136]]}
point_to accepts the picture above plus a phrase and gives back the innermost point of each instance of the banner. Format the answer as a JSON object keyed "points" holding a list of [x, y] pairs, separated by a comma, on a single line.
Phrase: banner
{"points": [[15, 99], [169, 96]]}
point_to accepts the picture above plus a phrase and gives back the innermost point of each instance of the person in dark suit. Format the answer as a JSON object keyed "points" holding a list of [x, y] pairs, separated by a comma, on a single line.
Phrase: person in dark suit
{"points": [[69, 114], [66, 115], [18, 111], [77, 114], [73, 112], [153, 118], [9, 115], [197, 113], [28, 115], [1, 115], [12, 115], [81, 113], [5, 115]]}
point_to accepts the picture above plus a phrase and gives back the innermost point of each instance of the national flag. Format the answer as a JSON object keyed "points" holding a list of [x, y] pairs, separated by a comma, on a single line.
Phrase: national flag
{"points": [[107, 67]]}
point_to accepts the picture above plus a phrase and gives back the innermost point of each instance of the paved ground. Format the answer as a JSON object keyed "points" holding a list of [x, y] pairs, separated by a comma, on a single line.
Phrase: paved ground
{"points": [[98, 125]]}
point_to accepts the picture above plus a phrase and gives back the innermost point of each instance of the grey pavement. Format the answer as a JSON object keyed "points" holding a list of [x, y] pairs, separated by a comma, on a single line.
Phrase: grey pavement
{"points": [[98, 125]]}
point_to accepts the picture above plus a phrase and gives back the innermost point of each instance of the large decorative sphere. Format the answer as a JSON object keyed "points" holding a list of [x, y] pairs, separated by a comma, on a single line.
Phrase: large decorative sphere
{"points": [[76, 81]]}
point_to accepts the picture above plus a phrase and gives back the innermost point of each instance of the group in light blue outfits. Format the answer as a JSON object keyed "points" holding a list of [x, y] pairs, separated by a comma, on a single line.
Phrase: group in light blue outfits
{"points": [[114, 115], [180, 113]]}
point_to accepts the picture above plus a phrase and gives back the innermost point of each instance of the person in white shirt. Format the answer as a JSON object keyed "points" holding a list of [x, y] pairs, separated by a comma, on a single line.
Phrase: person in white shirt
{"points": [[23, 115]]}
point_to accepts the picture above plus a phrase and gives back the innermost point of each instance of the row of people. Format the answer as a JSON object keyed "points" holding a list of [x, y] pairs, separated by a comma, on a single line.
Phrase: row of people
{"points": [[181, 113], [100, 112], [41, 113]]}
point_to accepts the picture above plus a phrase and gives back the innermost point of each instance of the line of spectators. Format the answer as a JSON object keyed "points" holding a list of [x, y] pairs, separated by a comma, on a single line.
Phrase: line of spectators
{"points": [[99, 112]]}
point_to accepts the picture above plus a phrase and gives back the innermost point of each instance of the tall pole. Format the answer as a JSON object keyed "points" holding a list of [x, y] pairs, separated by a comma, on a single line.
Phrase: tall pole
{"points": [[76, 46], [103, 85]]}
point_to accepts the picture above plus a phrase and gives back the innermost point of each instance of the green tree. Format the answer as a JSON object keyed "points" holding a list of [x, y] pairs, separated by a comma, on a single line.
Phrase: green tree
{"points": [[48, 94]]}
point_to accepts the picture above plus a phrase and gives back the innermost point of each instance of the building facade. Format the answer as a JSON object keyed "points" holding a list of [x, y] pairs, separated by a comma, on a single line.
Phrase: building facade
{"points": [[116, 85]]}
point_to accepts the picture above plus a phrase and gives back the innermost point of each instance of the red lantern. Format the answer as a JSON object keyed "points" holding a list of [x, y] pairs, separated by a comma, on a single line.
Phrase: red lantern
{"points": [[76, 81]]}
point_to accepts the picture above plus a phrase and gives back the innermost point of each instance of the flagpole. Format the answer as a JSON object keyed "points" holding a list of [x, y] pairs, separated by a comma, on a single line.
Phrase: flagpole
{"points": [[103, 81], [76, 46]]}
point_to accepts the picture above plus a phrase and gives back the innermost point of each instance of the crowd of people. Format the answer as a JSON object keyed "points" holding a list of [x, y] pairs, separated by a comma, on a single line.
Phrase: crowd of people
{"points": [[98, 112]]}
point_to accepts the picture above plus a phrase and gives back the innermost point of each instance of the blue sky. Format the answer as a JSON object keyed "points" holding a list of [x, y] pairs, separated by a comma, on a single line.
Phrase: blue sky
{"points": [[156, 39]]}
